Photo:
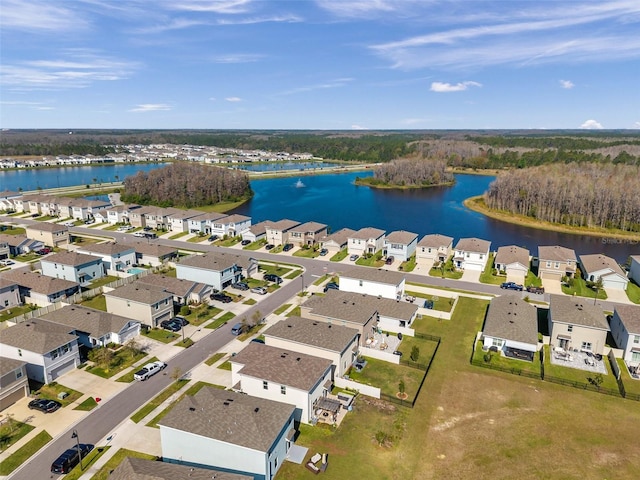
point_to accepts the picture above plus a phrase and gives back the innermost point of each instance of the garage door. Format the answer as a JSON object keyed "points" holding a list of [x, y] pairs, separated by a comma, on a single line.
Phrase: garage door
{"points": [[61, 369], [12, 398], [552, 276], [159, 319]]}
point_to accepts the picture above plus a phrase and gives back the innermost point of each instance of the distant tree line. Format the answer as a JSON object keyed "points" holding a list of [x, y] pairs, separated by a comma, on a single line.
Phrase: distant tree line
{"points": [[575, 194], [54, 149], [552, 141], [409, 172], [186, 185]]}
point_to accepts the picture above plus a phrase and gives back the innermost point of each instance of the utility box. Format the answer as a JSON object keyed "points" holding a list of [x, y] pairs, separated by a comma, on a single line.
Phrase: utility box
{"points": [[62, 395]]}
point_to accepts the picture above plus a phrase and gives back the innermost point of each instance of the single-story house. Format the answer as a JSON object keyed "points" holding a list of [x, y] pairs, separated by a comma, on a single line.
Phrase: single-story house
{"points": [[39, 289], [216, 269], [9, 293], [115, 256], [400, 245], [95, 328], [625, 328], [73, 266], [49, 349], [600, 266], [132, 468], [634, 269], [386, 283], [256, 232], [51, 234], [284, 376], [277, 233], [511, 327], [20, 244], [337, 241], [184, 291], [577, 324], [471, 254], [512, 260], [308, 233], [14, 383], [153, 254], [555, 262], [320, 339], [230, 431], [149, 306], [366, 240]]}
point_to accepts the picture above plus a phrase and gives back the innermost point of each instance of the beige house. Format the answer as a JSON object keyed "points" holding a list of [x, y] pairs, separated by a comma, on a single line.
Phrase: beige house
{"points": [[555, 261], [308, 233], [434, 247], [153, 254], [366, 240], [149, 306], [336, 241], [277, 233], [577, 324], [51, 234], [14, 383], [600, 266], [132, 468], [514, 261]]}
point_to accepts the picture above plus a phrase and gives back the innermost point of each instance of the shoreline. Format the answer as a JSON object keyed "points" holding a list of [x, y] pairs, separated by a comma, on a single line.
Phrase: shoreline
{"points": [[402, 187], [472, 203]]}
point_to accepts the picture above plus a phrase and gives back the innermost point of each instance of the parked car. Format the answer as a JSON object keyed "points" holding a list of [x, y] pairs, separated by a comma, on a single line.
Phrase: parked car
{"points": [[149, 370], [44, 251], [240, 286], [171, 325], [213, 238], [139, 234], [69, 224], [272, 277], [331, 286], [269, 246], [7, 262], [511, 286], [89, 221], [70, 458], [221, 297], [245, 242], [354, 257], [147, 229], [287, 247], [532, 289], [259, 290], [237, 329], [44, 405], [389, 260], [323, 252], [183, 322]]}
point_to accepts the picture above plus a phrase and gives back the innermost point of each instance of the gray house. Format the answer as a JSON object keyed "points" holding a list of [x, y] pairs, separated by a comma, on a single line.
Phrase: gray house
{"points": [[216, 269], [72, 266], [511, 327], [14, 383]]}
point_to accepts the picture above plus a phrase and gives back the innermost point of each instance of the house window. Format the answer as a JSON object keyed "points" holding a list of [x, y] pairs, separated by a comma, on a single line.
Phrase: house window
{"points": [[18, 374], [586, 346], [635, 356], [54, 354], [429, 249], [636, 339], [361, 283], [265, 385], [283, 389], [6, 303], [556, 265], [497, 342], [548, 263], [481, 256], [570, 328]]}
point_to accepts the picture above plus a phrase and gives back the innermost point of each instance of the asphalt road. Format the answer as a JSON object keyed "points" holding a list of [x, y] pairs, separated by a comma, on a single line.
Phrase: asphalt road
{"points": [[103, 420]]}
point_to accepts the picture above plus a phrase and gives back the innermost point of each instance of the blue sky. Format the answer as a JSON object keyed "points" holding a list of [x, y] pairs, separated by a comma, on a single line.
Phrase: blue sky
{"points": [[321, 64]]}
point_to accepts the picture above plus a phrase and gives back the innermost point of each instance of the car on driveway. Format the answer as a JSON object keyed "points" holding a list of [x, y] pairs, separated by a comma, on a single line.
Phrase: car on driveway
{"points": [[240, 286], [245, 242], [180, 320], [323, 252], [213, 238], [171, 325], [259, 290], [511, 286], [354, 257], [331, 286], [287, 247], [389, 260], [6, 263], [272, 277], [221, 297], [44, 405], [269, 246]]}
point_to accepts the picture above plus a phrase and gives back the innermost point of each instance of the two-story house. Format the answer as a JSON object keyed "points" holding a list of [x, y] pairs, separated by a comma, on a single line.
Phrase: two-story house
{"points": [[471, 254], [153, 254], [14, 383], [178, 221], [149, 306], [73, 266], [625, 329], [308, 233], [400, 245], [51, 234], [555, 262], [231, 225], [367, 240], [9, 293], [336, 241], [218, 270], [277, 233], [115, 256], [577, 324]]}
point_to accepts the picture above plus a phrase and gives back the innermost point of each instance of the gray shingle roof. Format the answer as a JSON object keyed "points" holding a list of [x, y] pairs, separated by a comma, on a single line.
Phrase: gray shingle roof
{"points": [[47, 227], [593, 263], [435, 241], [334, 338], [374, 275], [284, 367], [37, 335], [108, 248], [260, 228], [577, 311], [511, 318], [40, 283], [556, 253], [367, 233], [88, 320], [512, 254], [401, 236], [154, 249], [310, 227], [630, 316], [215, 261], [358, 308], [8, 365], [132, 468], [282, 225], [140, 294], [73, 259], [341, 237], [230, 417], [177, 286], [475, 245]]}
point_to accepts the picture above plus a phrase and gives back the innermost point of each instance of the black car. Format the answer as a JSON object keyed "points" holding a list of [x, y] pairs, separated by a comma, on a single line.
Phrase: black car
{"points": [[44, 405], [389, 261], [511, 286], [240, 286], [287, 247], [147, 229], [221, 297], [180, 320], [171, 325], [245, 242], [532, 289], [213, 238], [257, 340], [323, 252], [331, 286], [70, 458], [269, 246], [272, 277]]}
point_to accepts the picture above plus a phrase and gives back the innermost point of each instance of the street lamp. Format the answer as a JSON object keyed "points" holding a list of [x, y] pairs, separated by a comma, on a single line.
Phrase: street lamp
{"points": [[302, 278], [75, 435]]}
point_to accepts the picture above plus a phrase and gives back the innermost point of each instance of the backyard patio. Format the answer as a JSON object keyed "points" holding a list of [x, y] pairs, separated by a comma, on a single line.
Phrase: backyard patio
{"points": [[588, 362], [382, 341]]}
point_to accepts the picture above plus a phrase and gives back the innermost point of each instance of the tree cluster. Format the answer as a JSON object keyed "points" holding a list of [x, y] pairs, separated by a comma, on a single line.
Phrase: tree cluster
{"points": [[186, 185], [411, 172], [576, 194]]}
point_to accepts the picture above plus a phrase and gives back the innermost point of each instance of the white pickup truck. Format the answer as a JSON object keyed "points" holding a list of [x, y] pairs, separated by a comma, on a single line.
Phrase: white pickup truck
{"points": [[149, 370]]}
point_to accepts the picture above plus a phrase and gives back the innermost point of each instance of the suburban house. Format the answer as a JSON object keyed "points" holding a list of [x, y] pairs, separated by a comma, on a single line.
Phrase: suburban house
{"points": [[95, 328], [308, 233], [41, 290], [14, 383], [115, 256], [149, 306], [471, 254], [202, 223], [277, 233], [137, 217], [158, 217], [385, 283], [320, 339], [230, 225], [256, 232], [120, 213], [9, 293], [51, 234], [337, 241], [366, 240], [400, 245], [554, 262], [600, 266], [132, 468], [153, 254], [230, 431], [625, 328], [577, 324], [72, 266], [216, 269], [514, 261], [5, 250], [634, 269], [183, 291], [284, 376], [179, 220], [511, 327], [48, 348], [20, 244]]}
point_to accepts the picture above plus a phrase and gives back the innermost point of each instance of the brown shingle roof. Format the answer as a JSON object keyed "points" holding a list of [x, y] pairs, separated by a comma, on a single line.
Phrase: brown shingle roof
{"points": [[140, 294], [282, 225], [556, 253], [401, 236], [310, 227], [8, 365], [630, 316], [174, 285], [132, 468], [47, 227], [374, 275], [154, 249], [512, 254], [475, 245], [593, 263], [73, 259], [230, 417], [305, 331], [340, 237], [511, 318], [36, 335], [88, 320], [358, 308], [215, 261], [577, 311], [39, 283], [367, 233], [260, 228], [435, 241], [108, 248]]}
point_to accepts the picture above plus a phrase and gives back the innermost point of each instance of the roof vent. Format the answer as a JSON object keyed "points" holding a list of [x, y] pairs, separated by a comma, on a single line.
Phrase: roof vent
{"points": [[290, 326], [225, 403], [256, 410], [192, 409], [298, 359]]}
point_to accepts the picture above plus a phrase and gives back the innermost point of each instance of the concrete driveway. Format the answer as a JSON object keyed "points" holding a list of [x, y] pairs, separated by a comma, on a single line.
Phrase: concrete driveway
{"points": [[515, 277], [471, 276], [616, 295], [552, 286]]}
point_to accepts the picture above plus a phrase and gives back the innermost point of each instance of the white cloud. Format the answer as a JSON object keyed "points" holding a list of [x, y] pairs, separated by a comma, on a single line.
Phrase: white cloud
{"points": [[442, 87], [40, 16], [336, 83], [233, 99], [212, 6], [358, 127], [213, 99], [151, 107], [636, 125], [359, 8], [237, 58], [568, 84], [591, 125]]}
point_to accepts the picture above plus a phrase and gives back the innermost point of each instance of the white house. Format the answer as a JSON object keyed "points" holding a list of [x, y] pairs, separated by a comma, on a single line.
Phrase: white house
{"points": [[471, 254], [48, 348], [320, 339], [600, 266], [179, 220], [39, 289], [256, 232], [202, 223], [511, 327], [218, 270], [120, 213], [231, 225], [634, 269], [95, 327], [337, 240], [366, 240], [625, 328], [376, 282], [282, 375], [153, 254], [400, 245], [228, 430], [148, 306], [514, 261], [115, 256], [72, 266]]}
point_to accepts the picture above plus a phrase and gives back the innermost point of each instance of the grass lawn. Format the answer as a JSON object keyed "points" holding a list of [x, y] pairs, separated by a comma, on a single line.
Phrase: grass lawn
{"points": [[281, 309], [426, 347], [448, 272], [98, 302], [250, 301], [178, 235], [157, 400], [580, 288], [121, 360], [294, 274], [201, 314], [218, 322], [102, 281], [226, 317], [197, 239], [161, 335], [87, 405], [532, 280], [307, 253], [24, 453], [87, 461], [225, 365], [277, 268], [341, 255], [51, 390], [633, 291], [408, 265], [630, 385], [11, 431], [487, 275], [370, 261], [442, 304], [15, 311], [229, 242], [504, 362], [387, 376], [118, 457], [192, 390], [576, 375], [14, 231], [214, 358], [295, 312], [255, 245], [250, 333], [185, 344]]}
